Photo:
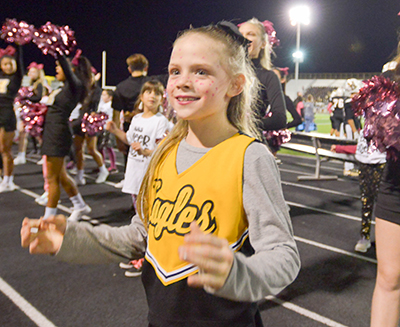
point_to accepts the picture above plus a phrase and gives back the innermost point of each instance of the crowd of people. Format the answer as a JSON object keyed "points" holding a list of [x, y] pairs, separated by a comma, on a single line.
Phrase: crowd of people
{"points": [[216, 258]]}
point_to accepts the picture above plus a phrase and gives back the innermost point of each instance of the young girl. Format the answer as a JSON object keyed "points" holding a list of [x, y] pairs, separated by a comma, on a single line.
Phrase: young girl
{"points": [[145, 131], [37, 80], [57, 138], [215, 227], [11, 73]]}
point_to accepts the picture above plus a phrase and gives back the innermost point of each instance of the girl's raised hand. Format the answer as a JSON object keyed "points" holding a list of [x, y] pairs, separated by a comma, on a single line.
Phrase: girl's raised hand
{"points": [[43, 236], [211, 254]]}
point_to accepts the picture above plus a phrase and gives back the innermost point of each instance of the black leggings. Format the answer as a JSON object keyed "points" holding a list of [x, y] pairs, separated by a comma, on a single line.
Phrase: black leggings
{"points": [[370, 177]]}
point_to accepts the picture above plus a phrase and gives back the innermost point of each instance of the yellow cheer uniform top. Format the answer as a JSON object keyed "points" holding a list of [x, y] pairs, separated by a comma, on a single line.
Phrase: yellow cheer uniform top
{"points": [[209, 192]]}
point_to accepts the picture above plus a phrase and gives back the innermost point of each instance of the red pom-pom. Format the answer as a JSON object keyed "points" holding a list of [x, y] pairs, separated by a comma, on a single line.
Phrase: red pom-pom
{"points": [[32, 116], [20, 33], [378, 101], [277, 138], [55, 40], [24, 93], [93, 124]]}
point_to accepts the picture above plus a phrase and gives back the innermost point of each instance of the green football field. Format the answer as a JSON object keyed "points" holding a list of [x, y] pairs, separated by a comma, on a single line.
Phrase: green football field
{"points": [[323, 126]]}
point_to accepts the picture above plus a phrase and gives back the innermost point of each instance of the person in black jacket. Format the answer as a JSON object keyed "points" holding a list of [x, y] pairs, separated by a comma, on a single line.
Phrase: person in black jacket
{"points": [[11, 73], [281, 73], [272, 108]]}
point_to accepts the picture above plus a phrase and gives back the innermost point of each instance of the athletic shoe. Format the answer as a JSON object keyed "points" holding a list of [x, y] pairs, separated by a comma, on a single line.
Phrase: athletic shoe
{"points": [[113, 170], [278, 161], [7, 187], [19, 161], [136, 270], [80, 181], [124, 265], [363, 245], [43, 198], [101, 178], [77, 214], [40, 162], [120, 184]]}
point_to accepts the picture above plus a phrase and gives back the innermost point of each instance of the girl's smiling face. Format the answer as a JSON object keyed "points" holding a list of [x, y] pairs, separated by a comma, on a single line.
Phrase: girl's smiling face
{"points": [[8, 65], [198, 85]]}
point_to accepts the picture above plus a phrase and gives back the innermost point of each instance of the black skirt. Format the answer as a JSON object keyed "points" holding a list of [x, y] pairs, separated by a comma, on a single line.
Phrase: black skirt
{"points": [[57, 139]]}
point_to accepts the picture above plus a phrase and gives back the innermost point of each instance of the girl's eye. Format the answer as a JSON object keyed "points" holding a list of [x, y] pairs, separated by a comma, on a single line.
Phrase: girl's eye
{"points": [[174, 72], [201, 72]]}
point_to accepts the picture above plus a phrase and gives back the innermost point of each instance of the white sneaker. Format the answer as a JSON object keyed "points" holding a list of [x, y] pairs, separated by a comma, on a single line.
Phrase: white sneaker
{"points": [[77, 214], [39, 199], [363, 245], [80, 181], [120, 184], [40, 162], [19, 161], [7, 187], [101, 178], [43, 199]]}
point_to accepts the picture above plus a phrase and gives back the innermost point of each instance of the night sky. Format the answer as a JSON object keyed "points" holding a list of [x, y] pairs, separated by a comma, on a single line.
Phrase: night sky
{"points": [[344, 35]]}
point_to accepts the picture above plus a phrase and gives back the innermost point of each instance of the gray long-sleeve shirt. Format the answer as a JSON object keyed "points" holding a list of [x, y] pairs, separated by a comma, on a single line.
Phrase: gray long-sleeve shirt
{"points": [[273, 266]]}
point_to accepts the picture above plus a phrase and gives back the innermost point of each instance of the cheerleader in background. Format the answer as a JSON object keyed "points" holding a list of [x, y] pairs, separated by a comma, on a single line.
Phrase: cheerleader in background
{"points": [[57, 138], [89, 106], [37, 80], [271, 95], [11, 73]]}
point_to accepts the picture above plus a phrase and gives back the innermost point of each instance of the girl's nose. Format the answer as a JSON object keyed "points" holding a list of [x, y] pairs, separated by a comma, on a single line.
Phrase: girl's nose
{"points": [[184, 81]]}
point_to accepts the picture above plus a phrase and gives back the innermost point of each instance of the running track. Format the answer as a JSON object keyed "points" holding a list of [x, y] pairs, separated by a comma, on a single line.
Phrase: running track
{"points": [[334, 287]]}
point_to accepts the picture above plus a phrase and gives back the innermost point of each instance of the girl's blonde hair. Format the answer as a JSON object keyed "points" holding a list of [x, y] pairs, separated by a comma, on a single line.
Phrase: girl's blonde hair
{"points": [[240, 111], [265, 54], [40, 80]]}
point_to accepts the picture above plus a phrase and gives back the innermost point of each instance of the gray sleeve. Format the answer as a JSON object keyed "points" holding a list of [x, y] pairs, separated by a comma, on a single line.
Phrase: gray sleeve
{"points": [[84, 243], [276, 261]]}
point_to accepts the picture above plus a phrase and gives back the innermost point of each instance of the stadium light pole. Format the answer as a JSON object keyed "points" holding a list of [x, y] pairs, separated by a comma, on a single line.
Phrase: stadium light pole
{"points": [[298, 15]]}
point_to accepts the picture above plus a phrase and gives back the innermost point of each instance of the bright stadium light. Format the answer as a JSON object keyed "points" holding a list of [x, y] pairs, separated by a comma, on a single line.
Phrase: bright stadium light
{"points": [[299, 15], [298, 56]]}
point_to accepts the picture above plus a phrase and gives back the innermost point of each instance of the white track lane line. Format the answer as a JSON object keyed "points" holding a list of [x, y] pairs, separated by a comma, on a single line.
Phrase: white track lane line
{"points": [[309, 187], [334, 249], [331, 213], [304, 312], [38, 318]]}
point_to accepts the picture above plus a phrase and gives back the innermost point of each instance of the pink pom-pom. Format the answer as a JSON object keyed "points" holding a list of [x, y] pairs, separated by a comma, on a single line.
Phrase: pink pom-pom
{"points": [[378, 101], [93, 124], [32, 116], [20, 33], [277, 138], [55, 40], [24, 93]]}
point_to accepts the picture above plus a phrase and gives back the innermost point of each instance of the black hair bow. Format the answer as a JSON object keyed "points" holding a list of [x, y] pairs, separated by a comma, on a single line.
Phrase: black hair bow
{"points": [[233, 31]]}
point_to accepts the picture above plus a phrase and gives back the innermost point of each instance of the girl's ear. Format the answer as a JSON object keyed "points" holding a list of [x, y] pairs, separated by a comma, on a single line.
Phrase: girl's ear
{"points": [[236, 86]]}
